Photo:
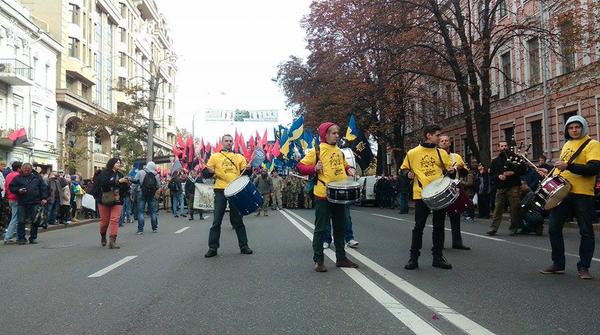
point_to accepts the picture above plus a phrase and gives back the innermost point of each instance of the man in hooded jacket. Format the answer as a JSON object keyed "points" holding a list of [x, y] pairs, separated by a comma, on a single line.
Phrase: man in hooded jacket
{"points": [[581, 173], [143, 199]]}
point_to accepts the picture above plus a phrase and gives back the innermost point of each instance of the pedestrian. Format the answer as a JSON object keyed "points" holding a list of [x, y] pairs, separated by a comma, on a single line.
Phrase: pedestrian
{"points": [[64, 212], [148, 183], [579, 164], [77, 193], [424, 164], [277, 182], [31, 192], [126, 211], [308, 194], [55, 185], [264, 185], [226, 166], [543, 163], [190, 190], [8, 169], [459, 164], [110, 186], [182, 203], [175, 189], [403, 193], [482, 187], [293, 195], [12, 202], [328, 163], [508, 181]]}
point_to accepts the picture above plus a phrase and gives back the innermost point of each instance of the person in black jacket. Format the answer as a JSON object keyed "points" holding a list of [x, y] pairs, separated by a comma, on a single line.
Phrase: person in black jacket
{"points": [[508, 182], [190, 190], [110, 182], [31, 192]]}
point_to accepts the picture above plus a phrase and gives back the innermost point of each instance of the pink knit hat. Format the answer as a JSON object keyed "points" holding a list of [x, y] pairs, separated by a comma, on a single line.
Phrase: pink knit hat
{"points": [[322, 130]]}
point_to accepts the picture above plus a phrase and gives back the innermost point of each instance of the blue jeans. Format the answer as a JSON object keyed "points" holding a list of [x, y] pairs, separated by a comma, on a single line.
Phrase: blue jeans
{"points": [[176, 203], [14, 212], [52, 208], [582, 208], [26, 214], [348, 233], [403, 202], [152, 205], [126, 211]]}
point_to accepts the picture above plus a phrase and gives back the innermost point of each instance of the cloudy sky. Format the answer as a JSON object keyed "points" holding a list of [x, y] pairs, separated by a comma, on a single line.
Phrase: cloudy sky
{"points": [[229, 51]]}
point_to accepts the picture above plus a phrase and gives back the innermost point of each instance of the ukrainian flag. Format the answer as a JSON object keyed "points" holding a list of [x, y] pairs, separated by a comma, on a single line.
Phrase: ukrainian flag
{"points": [[296, 129], [352, 131], [307, 140]]}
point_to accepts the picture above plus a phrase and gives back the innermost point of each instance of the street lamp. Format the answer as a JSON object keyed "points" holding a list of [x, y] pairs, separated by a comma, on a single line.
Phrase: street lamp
{"points": [[194, 124]]}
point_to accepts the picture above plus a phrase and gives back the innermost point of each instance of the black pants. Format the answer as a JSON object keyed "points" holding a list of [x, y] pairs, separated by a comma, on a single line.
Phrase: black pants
{"points": [[455, 226], [234, 217], [483, 203], [421, 214]]}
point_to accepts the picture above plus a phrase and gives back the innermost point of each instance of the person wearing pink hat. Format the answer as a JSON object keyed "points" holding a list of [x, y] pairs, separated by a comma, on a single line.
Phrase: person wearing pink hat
{"points": [[328, 163]]}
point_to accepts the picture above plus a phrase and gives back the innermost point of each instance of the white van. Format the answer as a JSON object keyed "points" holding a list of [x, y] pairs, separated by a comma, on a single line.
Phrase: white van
{"points": [[368, 189]]}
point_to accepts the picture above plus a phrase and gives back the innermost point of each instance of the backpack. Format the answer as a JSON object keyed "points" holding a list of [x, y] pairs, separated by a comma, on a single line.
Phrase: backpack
{"points": [[149, 185]]}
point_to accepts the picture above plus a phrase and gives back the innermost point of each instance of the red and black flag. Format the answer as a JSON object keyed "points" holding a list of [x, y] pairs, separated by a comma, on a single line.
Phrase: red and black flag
{"points": [[18, 136]]}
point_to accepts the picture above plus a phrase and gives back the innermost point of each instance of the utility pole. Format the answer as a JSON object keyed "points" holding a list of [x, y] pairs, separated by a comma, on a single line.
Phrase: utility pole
{"points": [[154, 83]]}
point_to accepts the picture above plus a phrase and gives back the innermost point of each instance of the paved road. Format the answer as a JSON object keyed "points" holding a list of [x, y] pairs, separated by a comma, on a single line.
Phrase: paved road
{"points": [[68, 284]]}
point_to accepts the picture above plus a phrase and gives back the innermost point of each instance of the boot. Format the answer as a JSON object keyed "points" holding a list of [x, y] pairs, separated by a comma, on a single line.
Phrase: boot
{"points": [[103, 239], [440, 262], [112, 244], [320, 266], [413, 263]]}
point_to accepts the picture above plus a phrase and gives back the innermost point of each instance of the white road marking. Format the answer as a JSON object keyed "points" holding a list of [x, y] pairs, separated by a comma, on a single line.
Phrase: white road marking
{"points": [[460, 321], [182, 230], [111, 267], [490, 238], [401, 312]]}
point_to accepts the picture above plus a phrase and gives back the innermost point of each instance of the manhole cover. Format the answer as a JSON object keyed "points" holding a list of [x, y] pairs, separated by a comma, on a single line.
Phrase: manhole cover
{"points": [[59, 246]]}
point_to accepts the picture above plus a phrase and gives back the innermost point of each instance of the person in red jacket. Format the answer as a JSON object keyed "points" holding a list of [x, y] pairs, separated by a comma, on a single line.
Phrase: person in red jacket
{"points": [[12, 201], [329, 165]]}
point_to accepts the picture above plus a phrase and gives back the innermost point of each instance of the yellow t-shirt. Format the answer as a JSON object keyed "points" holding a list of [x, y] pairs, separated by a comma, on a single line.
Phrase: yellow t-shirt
{"points": [[458, 160], [226, 170], [334, 166], [425, 164], [580, 184]]}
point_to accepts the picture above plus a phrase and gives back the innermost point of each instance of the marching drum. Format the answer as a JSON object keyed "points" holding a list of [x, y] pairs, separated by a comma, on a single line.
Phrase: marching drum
{"points": [[441, 193], [553, 190], [461, 204], [242, 193], [343, 192]]}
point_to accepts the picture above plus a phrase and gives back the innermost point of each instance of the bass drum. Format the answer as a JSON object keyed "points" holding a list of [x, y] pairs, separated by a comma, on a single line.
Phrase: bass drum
{"points": [[244, 195]]}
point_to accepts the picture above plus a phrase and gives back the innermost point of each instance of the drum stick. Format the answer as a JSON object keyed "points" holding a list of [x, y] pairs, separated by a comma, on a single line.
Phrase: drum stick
{"points": [[298, 176]]}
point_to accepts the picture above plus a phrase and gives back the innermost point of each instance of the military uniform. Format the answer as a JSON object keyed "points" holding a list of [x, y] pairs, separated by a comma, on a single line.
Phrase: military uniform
{"points": [[293, 195], [308, 203]]}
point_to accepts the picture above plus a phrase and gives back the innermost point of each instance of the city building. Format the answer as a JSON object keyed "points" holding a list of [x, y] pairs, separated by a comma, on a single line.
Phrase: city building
{"points": [[28, 57], [536, 86], [108, 44]]}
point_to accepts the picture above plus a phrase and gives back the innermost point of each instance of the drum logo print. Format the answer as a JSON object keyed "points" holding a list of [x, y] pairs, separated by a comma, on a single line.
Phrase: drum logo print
{"points": [[427, 165]]}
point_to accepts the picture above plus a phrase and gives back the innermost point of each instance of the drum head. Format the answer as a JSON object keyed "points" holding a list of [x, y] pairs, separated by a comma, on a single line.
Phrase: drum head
{"points": [[557, 196], [237, 185], [344, 184], [435, 187]]}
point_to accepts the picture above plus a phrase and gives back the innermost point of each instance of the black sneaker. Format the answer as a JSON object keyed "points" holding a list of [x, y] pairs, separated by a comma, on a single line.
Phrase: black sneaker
{"points": [[21, 242], [412, 264], [553, 270], [491, 233], [33, 242], [441, 262], [210, 253], [246, 250]]}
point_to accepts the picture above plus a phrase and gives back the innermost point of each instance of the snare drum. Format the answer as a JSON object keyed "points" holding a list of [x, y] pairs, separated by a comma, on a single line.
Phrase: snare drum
{"points": [[553, 190], [343, 192], [440, 193], [244, 195]]}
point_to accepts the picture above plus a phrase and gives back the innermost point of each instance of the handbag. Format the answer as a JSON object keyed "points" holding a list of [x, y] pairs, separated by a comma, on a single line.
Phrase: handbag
{"points": [[110, 198]]}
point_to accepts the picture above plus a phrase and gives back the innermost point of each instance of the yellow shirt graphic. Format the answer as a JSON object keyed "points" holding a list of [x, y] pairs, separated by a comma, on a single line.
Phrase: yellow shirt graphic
{"points": [[334, 166], [228, 166], [580, 184], [425, 164]]}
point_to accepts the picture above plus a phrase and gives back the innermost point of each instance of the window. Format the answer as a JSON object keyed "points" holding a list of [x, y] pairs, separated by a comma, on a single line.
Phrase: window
{"points": [[97, 143], [47, 76], [71, 84], [170, 118], [567, 47], [123, 35], [466, 151], [170, 88], [34, 123], [17, 111], [74, 10], [122, 83], [170, 104], [123, 58], [509, 136], [533, 48], [505, 66], [123, 10], [73, 47], [85, 91], [502, 9], [536, 139], [47, 132], [567, 115]]}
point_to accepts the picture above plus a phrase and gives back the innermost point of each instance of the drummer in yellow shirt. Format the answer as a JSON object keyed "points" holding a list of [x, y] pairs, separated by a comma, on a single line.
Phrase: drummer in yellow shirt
{"points": [[226, 167], [329, 166], [425, 163], [581, 174]]}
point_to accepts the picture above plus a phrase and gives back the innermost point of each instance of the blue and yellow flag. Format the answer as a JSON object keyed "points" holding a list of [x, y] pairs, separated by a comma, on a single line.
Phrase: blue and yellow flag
{"points": [[352, 131], [296, 129], [309, 139]]}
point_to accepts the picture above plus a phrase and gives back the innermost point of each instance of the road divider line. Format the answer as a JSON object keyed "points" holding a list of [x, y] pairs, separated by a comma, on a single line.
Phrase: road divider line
{"points": [[111, 267], [458, 320], [182, 230], [401, 312], [393, 218]]}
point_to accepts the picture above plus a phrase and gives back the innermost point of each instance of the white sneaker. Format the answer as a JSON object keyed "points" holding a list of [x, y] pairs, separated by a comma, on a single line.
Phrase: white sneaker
{"points": [[325, 245], [352, 243]]}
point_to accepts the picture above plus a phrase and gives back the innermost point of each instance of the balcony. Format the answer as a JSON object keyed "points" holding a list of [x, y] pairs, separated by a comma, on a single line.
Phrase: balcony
{"points": [[16, 73], [148, 9]]}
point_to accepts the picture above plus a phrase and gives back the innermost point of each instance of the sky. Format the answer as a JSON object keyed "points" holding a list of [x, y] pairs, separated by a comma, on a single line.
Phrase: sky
{"points": [[228, 55]]}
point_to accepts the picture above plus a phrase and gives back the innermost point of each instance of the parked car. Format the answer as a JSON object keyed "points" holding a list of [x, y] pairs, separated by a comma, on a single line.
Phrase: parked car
{"points": [[368, 189]]}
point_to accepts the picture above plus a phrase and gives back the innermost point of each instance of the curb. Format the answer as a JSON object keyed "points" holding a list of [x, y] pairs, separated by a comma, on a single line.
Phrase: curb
{"points": [[63, 226]]}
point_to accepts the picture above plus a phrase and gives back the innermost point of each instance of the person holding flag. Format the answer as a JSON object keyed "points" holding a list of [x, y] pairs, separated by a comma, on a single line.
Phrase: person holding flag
{"points": [[327, 162]]}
